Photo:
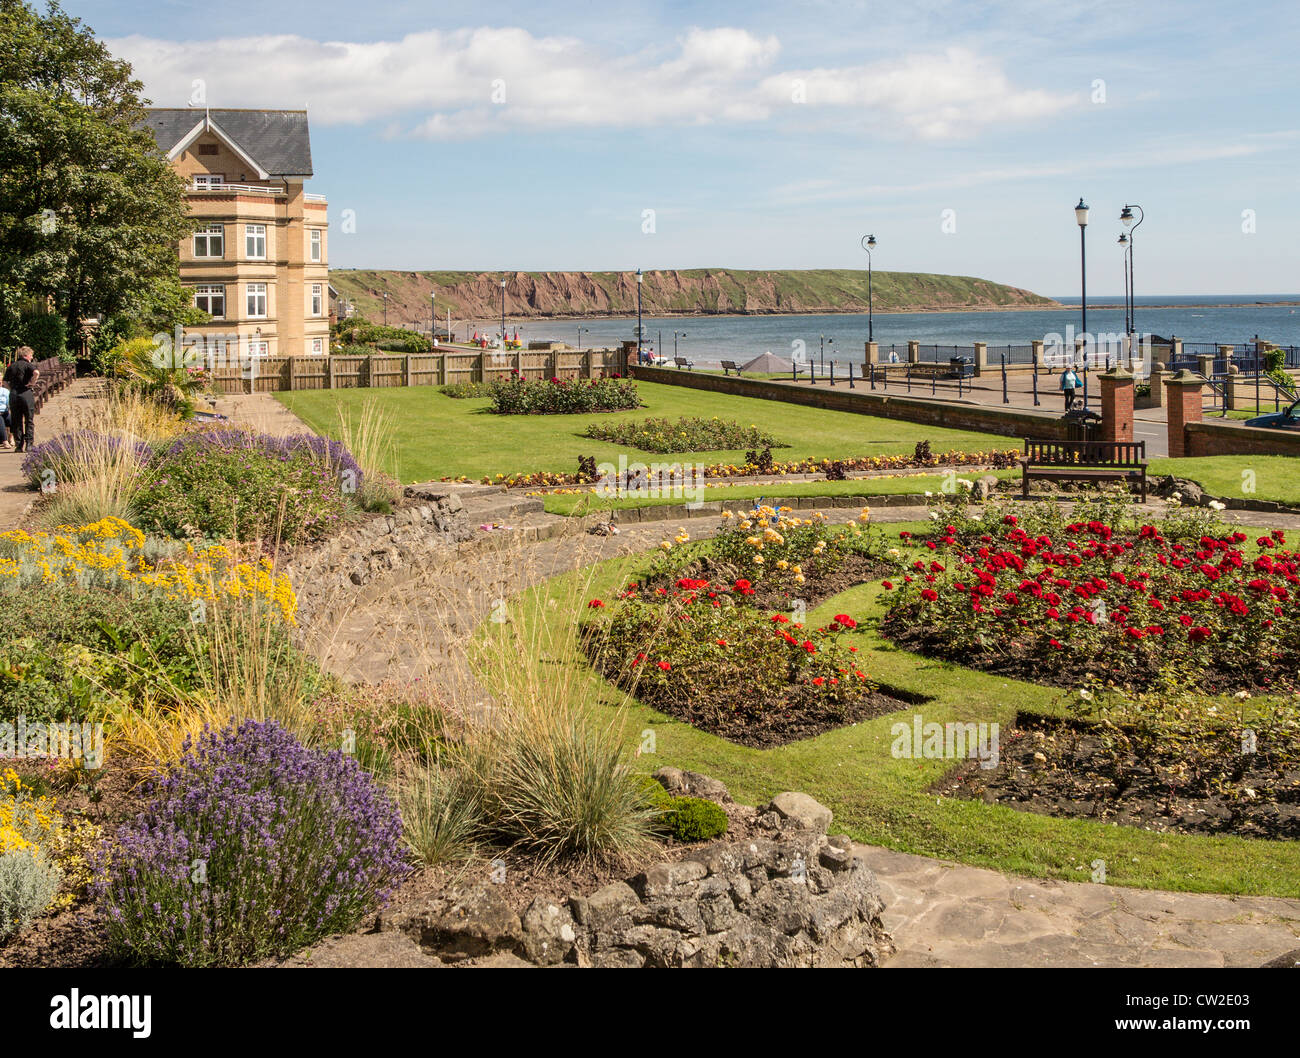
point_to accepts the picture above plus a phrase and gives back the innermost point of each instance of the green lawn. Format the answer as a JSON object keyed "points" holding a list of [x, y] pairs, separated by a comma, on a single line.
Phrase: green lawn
{"points": [[897, 484], [1275, 478], [437, 436], [882, 800]]}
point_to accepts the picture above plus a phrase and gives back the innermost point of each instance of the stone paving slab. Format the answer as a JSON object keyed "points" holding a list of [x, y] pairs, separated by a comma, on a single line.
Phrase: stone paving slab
{"points": [[947, 914]]}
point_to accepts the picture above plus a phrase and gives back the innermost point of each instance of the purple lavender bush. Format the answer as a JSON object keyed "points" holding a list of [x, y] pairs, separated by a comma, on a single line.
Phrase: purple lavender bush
{"points": [[252, 846]]}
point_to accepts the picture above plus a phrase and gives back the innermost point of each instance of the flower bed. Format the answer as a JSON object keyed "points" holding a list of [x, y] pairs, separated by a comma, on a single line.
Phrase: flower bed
{"points": [[562, 396], [684, 435], [700, 654], [1056, 601], [998, 459], [699, 638]]}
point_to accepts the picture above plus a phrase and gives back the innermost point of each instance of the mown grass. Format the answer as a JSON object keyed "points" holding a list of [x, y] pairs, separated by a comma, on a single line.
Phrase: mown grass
{"points": [[1255, 477], [439, 436], [772, 493], [886, 801]]}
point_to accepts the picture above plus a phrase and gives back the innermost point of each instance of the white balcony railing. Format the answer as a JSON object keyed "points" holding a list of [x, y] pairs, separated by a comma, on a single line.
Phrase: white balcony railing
{"points": [[313, 198], [226, 189]]}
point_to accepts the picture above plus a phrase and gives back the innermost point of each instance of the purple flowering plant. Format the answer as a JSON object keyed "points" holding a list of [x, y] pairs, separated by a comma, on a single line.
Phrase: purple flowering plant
{"points": [[251, 846]]}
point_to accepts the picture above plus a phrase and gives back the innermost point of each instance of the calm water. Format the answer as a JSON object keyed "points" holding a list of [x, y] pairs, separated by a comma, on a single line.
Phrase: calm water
{"points": [[1230, 320]]}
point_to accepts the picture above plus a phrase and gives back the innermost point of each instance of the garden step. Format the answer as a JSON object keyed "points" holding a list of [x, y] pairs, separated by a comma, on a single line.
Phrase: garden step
{"points": [[501, 507]]}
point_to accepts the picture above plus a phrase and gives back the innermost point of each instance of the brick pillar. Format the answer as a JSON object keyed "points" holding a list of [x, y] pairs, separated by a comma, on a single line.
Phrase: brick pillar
{"points": [[1116, 405], [1205, 364], [872, 351], [981, 357], [913, 352], [1037, 345], [1184, 400]]}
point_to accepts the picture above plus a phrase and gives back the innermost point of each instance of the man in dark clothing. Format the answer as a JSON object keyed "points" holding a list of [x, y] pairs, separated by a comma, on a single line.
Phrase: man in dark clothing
{"points": [[19, 378]]}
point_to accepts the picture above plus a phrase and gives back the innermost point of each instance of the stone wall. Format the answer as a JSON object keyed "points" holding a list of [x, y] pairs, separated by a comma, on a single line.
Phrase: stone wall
{"points": [[785, 895], [429, 522], [1038, 425], [1221, 439]]}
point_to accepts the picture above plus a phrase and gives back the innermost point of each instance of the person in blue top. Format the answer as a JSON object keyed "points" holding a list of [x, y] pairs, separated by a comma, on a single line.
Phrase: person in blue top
{"points": [[1069, 383], [4, 417]]}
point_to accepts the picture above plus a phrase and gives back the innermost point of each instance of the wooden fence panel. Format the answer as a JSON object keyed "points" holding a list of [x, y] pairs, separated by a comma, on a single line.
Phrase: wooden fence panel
{"points": [[424, 370], [349, 372], [268, 374], [309, 372], [387, 372]]}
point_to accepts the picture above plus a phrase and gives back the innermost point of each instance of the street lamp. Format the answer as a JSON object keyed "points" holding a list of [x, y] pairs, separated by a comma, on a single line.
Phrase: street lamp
{"points": [[1126, 216], [385, 308], [676, 335], [869, 244], [638, 315], [503, 311], [1125, 246], [1081, 215], [433, 316], [580, 330]]}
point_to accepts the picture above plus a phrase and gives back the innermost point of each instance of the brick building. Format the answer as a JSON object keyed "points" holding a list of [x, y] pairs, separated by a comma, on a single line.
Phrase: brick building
{"points": [[258, 260]]}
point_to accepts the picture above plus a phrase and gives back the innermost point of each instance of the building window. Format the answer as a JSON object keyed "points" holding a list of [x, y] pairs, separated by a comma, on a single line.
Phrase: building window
{"points": [[315, 244], [317, 309], [209, 180], [317, 346], [255, 241], [211, 298], [256, 300], [208, 148], [210, 241]]}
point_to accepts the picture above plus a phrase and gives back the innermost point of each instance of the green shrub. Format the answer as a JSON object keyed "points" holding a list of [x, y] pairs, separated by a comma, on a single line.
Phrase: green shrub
{"points": [[685, 435], [467, 390], [28, 885], [46, 333], [694, 819], [517, 395]]}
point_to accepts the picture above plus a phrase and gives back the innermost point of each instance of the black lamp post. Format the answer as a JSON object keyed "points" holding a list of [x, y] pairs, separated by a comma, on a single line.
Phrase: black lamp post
{"points": [[385, 308], [676, 335], [1128, 315], [1081, 215], [638, 315], [1126, 216], [433, 316], [580, 330], [869, 244], [503, 312]]}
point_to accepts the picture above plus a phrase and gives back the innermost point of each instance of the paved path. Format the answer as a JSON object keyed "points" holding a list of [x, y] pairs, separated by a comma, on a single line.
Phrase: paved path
{"points": [[946, 914], [62, 412]]}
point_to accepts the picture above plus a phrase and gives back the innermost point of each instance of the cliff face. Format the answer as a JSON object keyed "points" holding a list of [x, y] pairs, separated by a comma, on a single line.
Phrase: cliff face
{"points": [[666, 293]]}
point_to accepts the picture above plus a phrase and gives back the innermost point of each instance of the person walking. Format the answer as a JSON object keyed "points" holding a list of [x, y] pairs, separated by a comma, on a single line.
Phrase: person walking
{"points": [[1069, 383], [4, 418], [19, 378]]}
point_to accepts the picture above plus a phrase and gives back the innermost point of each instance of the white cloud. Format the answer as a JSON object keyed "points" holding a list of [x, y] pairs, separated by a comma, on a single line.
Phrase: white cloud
{"points": [[472, 82]]}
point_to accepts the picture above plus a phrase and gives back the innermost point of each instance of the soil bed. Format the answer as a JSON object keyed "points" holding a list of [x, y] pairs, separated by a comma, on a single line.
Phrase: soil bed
{"points": [[1058, 768]]}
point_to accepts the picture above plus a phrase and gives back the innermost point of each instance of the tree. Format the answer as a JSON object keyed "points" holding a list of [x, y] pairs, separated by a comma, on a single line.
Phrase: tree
{"points": [[90, 211]]}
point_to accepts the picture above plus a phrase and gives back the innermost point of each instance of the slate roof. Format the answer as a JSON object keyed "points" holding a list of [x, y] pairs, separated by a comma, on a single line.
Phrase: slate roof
{"points": [[278, 140]]}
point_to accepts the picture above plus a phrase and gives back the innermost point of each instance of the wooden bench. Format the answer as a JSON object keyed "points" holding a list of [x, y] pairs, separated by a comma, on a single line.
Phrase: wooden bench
{"points": [[1085, 461], [728, 366], [682, 362], [54, 375]]}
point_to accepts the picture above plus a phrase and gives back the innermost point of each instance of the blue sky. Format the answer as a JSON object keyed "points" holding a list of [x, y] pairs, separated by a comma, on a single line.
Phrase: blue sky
{"points": [[536, 136]]}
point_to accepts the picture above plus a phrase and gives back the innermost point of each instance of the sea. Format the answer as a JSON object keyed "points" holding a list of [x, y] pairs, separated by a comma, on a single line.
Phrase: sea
{"points": [[841, 337]]}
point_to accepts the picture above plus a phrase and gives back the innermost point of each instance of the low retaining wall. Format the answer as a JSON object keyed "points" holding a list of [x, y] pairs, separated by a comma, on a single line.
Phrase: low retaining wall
{"points": [[1220, 439], [1043, 426]]}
